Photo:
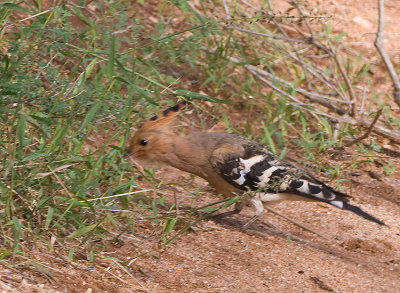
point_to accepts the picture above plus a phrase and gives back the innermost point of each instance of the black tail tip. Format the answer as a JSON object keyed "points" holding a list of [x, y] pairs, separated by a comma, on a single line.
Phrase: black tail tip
{"points": [[360, 212]]}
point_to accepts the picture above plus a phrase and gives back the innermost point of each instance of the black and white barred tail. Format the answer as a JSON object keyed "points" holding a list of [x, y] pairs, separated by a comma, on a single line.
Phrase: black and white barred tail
{"points": [[329, 195], [275, 180]]}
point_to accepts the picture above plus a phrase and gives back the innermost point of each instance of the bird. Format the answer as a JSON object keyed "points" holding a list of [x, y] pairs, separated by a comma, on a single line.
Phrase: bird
{"points": [[233, 165]]}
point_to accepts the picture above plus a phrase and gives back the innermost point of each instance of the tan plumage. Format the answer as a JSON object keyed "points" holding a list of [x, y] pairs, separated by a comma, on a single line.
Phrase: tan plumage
{"points": [[232, 165]]}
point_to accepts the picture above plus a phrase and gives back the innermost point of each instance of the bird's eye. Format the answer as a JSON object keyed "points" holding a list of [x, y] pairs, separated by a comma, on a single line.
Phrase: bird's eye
{"points": [[143, 142]]}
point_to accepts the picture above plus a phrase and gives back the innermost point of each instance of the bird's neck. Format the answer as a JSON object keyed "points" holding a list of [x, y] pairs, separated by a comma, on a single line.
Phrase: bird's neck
{"points": [[189, 154]]}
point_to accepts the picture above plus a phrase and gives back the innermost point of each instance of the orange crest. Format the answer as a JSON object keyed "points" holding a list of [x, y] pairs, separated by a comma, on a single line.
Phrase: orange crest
{"points": [[164, 120]]}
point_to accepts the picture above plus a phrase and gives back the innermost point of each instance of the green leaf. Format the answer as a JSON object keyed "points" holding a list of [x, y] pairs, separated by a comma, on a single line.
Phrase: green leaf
{"points": [[283, 153], [327, 125], [169, 225], [88, 71], [81, 231], [71, 254], [13, 6], [42, 201], [111, 58], [91, 256], [49, 217], [115, 147], [145, 94], [121, 79], [83, 18], [17, 229], [230, 202], [34, 156], [21, 128], [90, 116], [41, 268], [227, 124], [210, 209], [269, 139], [196, 96], [60, 132], [364, 69]]}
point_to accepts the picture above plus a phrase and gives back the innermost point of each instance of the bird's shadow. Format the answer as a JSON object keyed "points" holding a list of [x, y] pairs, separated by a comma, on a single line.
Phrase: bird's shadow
{"points": [[261, 230]]}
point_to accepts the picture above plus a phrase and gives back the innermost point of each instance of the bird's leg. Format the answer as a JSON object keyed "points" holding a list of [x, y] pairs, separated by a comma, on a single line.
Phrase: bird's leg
{"points": [[259, 209], [258, 206], [251, 221]]}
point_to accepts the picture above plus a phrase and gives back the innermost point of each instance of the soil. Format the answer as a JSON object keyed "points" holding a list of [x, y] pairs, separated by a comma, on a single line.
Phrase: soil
{"points": [[352, 255]]}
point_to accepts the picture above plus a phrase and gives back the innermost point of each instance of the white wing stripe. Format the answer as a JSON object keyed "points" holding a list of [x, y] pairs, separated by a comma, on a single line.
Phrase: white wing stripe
{"points": [[304, 188], [247, 164], [266, 176], [241, 179]]}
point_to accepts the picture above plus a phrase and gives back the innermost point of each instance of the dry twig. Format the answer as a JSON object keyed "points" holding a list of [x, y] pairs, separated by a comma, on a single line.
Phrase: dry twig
{"points": [[294, 222], [321, 99], [343, 105], [379, 46], [314, 97], [339, 64], [365, 135]]}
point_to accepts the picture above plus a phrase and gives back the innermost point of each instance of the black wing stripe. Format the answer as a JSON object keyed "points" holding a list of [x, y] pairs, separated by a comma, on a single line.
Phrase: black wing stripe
{"points": [[264, 173]]}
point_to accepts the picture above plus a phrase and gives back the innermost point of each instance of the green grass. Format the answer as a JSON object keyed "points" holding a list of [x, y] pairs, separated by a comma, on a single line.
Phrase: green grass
{"points": [[75, 79]]}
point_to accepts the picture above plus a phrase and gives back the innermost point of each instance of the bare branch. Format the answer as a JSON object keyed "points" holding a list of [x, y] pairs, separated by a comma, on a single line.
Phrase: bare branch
{"points": [[363, 100], [296, 56], [228, 17], [314, 97], [318, 73], [295, 4], [365, 135], [344, 103], [264, 34], [250, 5], [346, 80], [294, 222], [382, 131], [379, 46], [300, 61]]}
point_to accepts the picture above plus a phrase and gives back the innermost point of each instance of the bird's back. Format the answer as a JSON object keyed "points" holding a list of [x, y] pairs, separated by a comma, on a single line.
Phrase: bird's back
{"points": [[232, 164]]}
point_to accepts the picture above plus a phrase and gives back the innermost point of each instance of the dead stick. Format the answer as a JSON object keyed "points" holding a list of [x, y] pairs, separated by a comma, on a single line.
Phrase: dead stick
{"points": [[346, 80], [366, 134], [391, 134], [294, 222], [379, 46]]}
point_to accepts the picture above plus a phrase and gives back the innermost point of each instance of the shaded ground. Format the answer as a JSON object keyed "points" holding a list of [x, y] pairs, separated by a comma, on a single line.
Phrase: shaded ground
{"points": [[355, 255]]}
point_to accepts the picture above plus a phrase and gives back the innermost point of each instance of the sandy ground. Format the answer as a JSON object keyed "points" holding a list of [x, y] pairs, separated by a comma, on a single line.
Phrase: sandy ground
{"points": [[356, 256], [353, 255]]}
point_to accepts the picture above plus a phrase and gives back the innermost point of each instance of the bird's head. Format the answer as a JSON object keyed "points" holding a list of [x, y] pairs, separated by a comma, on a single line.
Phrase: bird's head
{"points": [[156, 136]]}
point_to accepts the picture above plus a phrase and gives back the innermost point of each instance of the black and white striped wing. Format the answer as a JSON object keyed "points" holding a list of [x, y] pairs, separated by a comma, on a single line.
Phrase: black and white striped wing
{"points": [[261, 172]]}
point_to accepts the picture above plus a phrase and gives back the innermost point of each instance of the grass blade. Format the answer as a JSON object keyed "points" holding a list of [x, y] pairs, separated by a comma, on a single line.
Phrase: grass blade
{"points": [[81, 231]]}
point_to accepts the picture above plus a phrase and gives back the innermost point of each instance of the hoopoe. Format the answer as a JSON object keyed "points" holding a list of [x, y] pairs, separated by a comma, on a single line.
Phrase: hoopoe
{"points": [[233, 165]]}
